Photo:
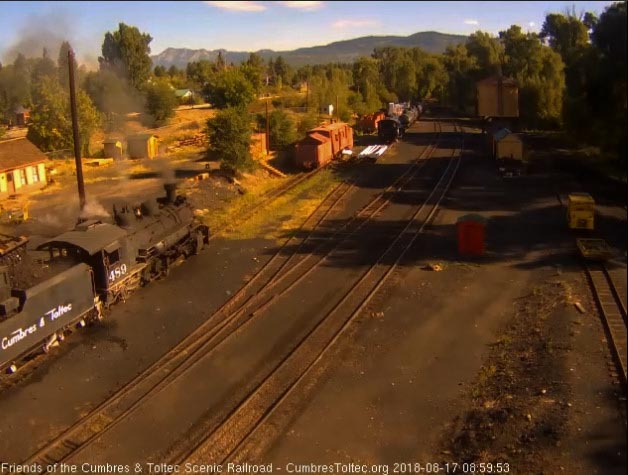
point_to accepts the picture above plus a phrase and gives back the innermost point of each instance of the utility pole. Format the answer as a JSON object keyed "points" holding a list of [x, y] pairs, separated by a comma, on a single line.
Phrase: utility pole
{"points": [[267, 130], [337, 110], [75, 132], [307, 96]]}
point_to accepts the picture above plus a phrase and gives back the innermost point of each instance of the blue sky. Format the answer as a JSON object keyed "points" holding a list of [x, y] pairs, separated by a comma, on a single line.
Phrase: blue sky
{"points": [[250, 26]]}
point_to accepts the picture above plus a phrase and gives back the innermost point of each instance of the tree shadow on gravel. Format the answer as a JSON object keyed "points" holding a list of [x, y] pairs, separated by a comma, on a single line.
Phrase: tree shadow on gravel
{"points": [[524, 215]]}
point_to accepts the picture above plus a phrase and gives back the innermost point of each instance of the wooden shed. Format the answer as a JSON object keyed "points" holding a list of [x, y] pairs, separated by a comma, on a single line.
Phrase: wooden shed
{"points": [[22, 167], [112, 148], [313, 151], [142, 146], [505, 144], [497, 96]]}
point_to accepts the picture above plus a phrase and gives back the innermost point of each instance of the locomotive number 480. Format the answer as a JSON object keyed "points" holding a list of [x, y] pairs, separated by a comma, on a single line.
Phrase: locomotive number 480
{"points": [[116, 273]]}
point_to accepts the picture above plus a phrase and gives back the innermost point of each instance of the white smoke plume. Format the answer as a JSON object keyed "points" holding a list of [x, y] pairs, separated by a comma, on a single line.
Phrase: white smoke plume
{"points": [[93, 209]]}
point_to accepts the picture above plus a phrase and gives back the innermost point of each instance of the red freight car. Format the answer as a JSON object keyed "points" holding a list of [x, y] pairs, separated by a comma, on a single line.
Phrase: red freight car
{"points": [[368, 123], [314, 151], [323, 144], [340, 135]]}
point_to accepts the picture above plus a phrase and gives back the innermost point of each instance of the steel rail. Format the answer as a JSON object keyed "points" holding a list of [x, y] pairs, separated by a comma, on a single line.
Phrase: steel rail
{"points": [[222, 441], [195, 350], [613, 313]]}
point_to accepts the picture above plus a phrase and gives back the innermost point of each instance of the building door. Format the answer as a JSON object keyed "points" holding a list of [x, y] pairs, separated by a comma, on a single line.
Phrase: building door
{"points": [[10, 184]]}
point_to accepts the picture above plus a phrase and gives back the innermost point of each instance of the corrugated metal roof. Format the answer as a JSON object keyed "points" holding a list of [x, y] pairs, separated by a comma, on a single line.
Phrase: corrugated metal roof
{"points": [[91, 240], [19, 153]]}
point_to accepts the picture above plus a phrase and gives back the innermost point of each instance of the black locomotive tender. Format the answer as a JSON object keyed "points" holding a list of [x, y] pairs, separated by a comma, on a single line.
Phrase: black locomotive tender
{"points": [[399, 118], [86, 270]]}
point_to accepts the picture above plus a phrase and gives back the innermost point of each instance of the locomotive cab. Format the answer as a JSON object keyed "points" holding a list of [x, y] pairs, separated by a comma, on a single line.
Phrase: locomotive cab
{"points": [[100, 245]]}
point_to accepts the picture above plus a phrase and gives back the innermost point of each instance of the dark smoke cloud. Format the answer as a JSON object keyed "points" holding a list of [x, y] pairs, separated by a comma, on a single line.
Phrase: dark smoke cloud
{"points": [[42, 30]]}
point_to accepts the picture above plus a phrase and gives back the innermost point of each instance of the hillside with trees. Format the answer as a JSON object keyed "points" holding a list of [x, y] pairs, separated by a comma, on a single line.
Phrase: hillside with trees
{"points": [[336, 52], [571, 78]]}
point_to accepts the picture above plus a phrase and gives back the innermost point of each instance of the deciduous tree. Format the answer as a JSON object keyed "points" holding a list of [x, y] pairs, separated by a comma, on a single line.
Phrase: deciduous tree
{"points": [[127, 53], [50, 125], [160, 101], [229, 88], [229, 133]]}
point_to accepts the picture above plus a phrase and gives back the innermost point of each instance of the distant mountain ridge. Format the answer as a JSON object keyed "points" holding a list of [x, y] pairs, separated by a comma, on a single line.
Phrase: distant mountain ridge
{"points": [[340, 51]]}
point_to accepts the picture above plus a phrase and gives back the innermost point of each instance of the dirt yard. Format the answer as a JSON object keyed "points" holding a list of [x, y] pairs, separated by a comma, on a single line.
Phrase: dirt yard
{"points": [[485, 361]]}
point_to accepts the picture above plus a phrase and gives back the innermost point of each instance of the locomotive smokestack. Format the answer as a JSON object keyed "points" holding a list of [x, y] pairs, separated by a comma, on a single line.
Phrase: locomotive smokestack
{"points": [[171, 191]]}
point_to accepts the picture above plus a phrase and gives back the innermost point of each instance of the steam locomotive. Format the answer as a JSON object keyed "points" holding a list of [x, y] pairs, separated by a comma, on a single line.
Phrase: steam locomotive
{"points": [[400, 117], [74, 277]]}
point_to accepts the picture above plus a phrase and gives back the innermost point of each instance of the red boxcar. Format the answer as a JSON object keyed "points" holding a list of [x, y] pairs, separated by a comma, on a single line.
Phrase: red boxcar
{"points": [[368, 123], [323, 144], [313, 151]]}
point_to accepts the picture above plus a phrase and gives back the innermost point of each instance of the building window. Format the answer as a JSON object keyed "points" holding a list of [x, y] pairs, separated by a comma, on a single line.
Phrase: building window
{"points": [[35, 174], [22, 173]]}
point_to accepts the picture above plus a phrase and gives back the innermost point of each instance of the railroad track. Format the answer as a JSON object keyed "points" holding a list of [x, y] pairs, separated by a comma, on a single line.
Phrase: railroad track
{"points": [[612, 307], [219, 442], [222, 324], [114, 409]]}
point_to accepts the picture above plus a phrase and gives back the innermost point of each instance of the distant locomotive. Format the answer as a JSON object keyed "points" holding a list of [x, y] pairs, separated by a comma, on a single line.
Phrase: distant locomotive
{"points": [[389, 129], [400, 117], [82, 272], [409, 117]]}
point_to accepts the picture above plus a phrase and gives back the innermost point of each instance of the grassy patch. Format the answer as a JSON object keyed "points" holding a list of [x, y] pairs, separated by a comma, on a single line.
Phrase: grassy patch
{"points": [[277, 219]]}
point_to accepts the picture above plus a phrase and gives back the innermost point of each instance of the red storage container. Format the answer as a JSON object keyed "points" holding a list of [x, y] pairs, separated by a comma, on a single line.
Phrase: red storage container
{"points": [[471, 230]]}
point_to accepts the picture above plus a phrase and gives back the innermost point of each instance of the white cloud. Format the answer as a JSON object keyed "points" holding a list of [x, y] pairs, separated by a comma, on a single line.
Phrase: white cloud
{"points": [[531, 24], [471, 22], [238, 6], [305, 5], [354, 23]]}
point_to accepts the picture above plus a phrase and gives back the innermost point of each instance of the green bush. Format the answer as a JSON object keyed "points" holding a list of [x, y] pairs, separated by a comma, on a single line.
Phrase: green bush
{"points": [[229, 134]]}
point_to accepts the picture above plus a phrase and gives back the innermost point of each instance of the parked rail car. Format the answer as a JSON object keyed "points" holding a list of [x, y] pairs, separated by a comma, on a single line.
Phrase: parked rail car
{"points": [[368, 123], [93, 266], [323, 144]]}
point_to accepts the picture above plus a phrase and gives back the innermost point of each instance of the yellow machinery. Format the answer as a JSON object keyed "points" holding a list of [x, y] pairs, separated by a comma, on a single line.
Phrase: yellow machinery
{"points": [[580, 211]]}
